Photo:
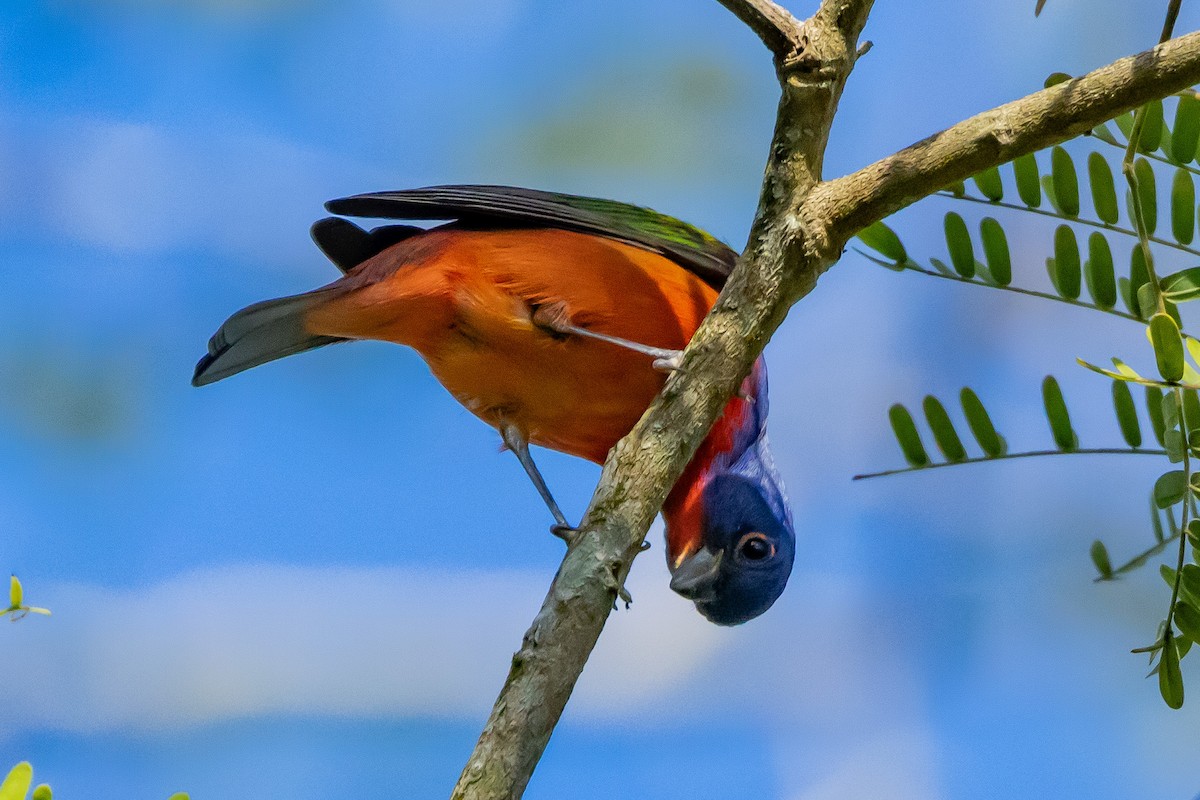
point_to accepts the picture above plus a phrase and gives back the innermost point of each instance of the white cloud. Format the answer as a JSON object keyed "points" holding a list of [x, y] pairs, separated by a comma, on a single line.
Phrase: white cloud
{"points": [[250, 640]]}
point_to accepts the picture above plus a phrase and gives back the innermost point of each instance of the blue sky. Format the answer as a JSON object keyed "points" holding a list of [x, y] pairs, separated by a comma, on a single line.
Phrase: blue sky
{"points": [[306, 581]]}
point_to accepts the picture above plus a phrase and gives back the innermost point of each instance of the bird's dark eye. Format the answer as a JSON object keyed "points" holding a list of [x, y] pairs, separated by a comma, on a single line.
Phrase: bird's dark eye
{"points": [[755, 547]]}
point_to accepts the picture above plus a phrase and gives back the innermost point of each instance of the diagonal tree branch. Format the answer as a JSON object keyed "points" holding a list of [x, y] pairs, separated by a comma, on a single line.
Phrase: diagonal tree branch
{"points": [[799, 231], [775, 25]]}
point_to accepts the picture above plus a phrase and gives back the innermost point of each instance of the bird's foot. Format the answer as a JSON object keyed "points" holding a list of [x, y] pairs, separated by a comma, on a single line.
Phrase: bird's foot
{"points": [[567, 533], [669, 362]]}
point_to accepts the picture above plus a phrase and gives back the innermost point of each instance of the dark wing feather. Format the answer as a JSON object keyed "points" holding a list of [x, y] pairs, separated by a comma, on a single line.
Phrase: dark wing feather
{"points": [[690, 247]]}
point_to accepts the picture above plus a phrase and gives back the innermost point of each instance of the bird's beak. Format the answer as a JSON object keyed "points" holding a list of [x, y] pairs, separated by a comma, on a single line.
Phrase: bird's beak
{"points": [[696, 576]]}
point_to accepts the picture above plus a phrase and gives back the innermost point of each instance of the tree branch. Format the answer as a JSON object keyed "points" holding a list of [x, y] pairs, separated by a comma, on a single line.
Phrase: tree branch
{"points": [[775, 25], [799, 230], [994, 137]]}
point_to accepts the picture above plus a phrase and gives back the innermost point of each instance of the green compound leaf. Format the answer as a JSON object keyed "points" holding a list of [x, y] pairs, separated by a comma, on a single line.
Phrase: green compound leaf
{"points": [[1170, 488], [1168, 346], [981, 424], [1100, 558], [883, 240], [1182, 287], [995, 251], [16, 784], [943, 430], [958, 242], [1126, 412], [1056, 414], [1066, 262], [1025, 170], [1183, 207], [1170, 679], [990, 185], [1099, 272], [907, 436], [1185, 136], [1104, 191], [1066, 182], [1147, 194], [1152, 127]]}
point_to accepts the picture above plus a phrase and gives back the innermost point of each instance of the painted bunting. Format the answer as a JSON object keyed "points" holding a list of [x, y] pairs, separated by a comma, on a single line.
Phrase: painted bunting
{"points": [[552, 317]]}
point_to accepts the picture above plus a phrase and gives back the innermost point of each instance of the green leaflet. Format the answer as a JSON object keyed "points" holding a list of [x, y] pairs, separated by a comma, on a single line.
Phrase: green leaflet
{"points": [[1152, 127], [1066, 182], [981, 424], [1099, 554], [1170, 679], [1183, 286], [1187, 618], [1056, 414], [1126, 412], [1183, 207], [1125, 124], [883, 240], [1066, 262], [1168, 346], [1025, 171], [1099, 271], [995, 251], [943, 430], [989, 184], [1143, 173], [16, 784], [1104, 191], [1139, 276], [1185, 136], [907, 436], [1170, 488], [958, 242]]}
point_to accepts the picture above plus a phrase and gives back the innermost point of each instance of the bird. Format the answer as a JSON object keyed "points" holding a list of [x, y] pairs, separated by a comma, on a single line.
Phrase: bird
{"points": [[554, 318]]}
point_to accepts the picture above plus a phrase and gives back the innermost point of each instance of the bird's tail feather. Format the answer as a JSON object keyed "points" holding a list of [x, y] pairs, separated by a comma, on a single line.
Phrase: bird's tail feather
{"points": [[260, 333]]}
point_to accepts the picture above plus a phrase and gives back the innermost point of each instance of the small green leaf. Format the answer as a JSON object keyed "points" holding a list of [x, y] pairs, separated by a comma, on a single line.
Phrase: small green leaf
{"points": [[1099, 271], [1152, 128], [989, 184], [1187, 618], [1125, 124], [1170, 410], [883, 240], [1186, 134], [1183, 207], [995, 251], [1174, 445], [1170, 679], [1025, 170], [1100, 558], [907, 436], [981, 424], [1126, 414], [943, 430], [1054, 78], [1168, 346], [1191, 408], [1056, 414], [42, 792], [1104, 192], [1066, 262], [1147, 194], [179, 796], [1139, 276], [16, 594], [1066, 183], [1105, 135], [1183, 286], [16, 784], [1170, 488], [958, 241], [958, 189]]}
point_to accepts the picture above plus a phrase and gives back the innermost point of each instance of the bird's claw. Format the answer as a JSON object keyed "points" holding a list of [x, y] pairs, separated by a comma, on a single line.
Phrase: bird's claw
{"points": [[669, 363], [624, 596], [565, 532]]}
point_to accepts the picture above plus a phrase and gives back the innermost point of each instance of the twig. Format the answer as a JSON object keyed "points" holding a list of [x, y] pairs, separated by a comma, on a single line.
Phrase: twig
{"points": [[775, 25]]}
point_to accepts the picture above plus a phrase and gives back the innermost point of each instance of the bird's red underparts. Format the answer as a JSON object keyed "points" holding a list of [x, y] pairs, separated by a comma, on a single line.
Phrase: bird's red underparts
{"points": [[475, 304]]}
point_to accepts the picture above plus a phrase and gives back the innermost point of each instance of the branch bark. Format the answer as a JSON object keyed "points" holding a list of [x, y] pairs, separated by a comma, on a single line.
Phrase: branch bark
{"points": [[799, 231]]}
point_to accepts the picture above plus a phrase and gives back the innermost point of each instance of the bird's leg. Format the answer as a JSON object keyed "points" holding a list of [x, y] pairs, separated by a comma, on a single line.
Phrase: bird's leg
{"points": [[554, 318], [514, 439]]}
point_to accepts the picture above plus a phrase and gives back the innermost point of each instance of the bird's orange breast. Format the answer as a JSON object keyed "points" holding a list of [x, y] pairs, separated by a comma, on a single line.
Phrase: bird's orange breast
{"points": [[466, 301]]}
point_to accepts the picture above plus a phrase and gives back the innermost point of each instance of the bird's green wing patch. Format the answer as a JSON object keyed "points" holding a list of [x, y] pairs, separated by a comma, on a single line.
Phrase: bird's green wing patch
{"points": [[695, 250]]}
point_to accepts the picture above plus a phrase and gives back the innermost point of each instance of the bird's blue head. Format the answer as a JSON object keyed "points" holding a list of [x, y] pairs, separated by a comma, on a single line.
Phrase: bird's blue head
{"points": [[730, 540]]}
